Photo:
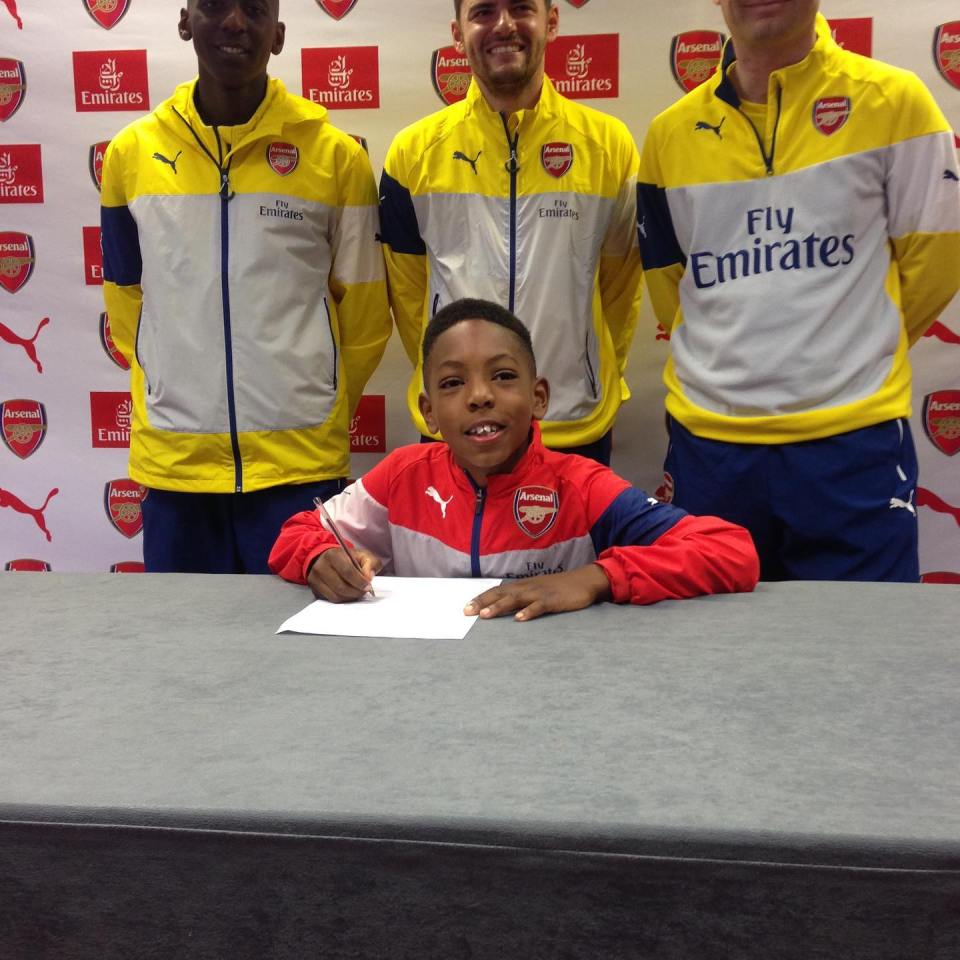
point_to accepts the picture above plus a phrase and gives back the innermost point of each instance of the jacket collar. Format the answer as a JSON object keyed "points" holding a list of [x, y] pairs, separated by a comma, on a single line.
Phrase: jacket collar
{"points": [[277, 110], [823, 45], [547, 106], [500, 483]]}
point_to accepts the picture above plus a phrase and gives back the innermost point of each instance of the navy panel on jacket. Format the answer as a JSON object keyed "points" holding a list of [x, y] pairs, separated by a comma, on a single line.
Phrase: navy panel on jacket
{"points": [[120, 241], [633, 519], [398, 219], [659, 246]]}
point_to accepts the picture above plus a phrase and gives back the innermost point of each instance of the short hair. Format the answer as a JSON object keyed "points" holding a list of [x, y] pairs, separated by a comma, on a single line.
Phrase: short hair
{"points": [[457, 4], [472, 309]]}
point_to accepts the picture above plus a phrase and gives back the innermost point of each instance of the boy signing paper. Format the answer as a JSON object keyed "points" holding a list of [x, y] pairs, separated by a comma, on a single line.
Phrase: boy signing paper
{"points": [[491, 501]]}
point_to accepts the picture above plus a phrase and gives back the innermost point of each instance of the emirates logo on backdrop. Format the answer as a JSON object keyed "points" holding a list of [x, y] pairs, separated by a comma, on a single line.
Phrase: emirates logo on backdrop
{"points": [[110, 80], [27, 565], [854, 34], [585, 67], [127, 566], [13, 87], [21, 174], [368, 428], [110, 416], [92, 257], [342, 78]]}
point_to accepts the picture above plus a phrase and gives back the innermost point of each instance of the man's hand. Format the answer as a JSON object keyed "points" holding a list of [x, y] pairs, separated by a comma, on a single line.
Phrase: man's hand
{"points": [[551, 593], [333, 577]]}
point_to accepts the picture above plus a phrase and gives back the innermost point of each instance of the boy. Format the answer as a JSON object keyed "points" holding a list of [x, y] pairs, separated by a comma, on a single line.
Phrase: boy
{"points": [[563, 531], [246, 289]]}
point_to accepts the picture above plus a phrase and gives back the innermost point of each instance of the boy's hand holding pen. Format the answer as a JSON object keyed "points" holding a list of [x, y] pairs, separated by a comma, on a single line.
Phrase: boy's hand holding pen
{"points": [[344, 574]]}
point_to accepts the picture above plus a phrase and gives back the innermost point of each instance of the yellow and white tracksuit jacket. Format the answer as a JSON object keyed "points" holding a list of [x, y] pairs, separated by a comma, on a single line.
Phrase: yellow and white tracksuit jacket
{"points": [[245, 286], [794, 265], [536, 212]]}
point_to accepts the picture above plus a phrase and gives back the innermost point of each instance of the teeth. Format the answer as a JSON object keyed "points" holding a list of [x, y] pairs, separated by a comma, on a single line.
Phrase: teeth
{"points": [[483, 430]]}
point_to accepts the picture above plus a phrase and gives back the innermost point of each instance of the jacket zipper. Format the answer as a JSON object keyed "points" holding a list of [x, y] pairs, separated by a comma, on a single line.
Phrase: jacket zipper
{"points": [[481, 499], [511, 167], [590, 374], [767, 158], [333, 342], [225, 197]]}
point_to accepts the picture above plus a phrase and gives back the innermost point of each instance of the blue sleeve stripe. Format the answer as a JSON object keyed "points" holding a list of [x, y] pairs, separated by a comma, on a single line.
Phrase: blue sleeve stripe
{"points": [[398, 220], [633, 519], [120, 240], [659, 246]]}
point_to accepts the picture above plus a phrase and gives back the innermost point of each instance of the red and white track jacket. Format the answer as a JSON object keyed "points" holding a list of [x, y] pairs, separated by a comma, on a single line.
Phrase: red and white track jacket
{"points": [[423, 516]]}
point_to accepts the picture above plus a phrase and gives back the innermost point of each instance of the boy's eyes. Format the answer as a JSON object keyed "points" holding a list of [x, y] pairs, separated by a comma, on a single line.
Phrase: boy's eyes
{"points": [[447, 383]]}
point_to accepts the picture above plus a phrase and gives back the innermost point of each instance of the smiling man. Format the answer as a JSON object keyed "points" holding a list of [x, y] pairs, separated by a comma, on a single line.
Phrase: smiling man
{"points": [[527, 199], [800, 229], [246, 289]]}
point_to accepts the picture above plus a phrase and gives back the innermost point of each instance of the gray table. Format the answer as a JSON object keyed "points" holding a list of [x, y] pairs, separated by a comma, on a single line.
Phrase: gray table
{"points": [[768, 776]]}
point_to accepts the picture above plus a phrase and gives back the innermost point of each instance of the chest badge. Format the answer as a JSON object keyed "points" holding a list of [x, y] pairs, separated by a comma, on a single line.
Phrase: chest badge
{"points": [[557, 158], [535, 510], [283, 158], [830, 114]]}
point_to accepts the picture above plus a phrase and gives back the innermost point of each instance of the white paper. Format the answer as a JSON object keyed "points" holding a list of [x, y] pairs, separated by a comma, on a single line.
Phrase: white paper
{"points": [[429, 608]]}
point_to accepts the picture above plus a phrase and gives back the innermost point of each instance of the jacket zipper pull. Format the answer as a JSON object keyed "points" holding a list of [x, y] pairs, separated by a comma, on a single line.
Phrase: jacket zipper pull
{"points": [[225, 193]]}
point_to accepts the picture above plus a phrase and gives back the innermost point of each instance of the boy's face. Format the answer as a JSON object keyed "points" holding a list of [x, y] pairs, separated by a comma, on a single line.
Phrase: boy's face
{"points": [[233, 38], [481, 395]]}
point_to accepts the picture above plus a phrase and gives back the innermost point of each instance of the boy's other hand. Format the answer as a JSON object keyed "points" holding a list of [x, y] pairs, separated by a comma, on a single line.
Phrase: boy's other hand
{"points": [[551, 593], [333, 577]]}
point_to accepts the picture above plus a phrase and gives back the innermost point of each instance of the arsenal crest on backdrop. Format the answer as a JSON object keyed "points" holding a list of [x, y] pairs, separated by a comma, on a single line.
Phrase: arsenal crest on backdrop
{"points": [[337, 9], [946, 51], [13, 87], [107, 13]]}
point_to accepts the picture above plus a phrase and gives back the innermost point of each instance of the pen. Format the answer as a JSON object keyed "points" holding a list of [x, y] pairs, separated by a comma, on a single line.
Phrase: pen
{"points": [[335, 530]]}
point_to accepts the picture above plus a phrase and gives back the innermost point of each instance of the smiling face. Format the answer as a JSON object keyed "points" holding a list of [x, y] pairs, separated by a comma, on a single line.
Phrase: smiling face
{"points": [[505, 42], [234, 39], [482, 394]]}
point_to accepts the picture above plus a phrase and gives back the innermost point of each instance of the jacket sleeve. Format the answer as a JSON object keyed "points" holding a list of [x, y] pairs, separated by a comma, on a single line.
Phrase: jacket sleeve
{"points": [[923, 203], [405, 253], [697, 555], [357, 279], [664, 262], [362, 514], [621, 274], [122, 264]]}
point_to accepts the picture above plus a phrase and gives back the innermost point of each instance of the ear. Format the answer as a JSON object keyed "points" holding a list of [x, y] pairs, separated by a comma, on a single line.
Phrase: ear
{"points": [[278, 38], [541, 398], [184, 25], [553, 23], [426, 411], [457, 34]]}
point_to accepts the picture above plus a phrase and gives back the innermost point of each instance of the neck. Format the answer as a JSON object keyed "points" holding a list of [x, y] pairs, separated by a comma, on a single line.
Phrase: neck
{"points": [[511, 99], [223, 107], [755, 63]]}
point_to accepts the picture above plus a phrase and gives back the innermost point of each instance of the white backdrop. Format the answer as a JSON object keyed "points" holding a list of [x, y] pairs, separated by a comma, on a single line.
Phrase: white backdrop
{"points": [[82, 74]]}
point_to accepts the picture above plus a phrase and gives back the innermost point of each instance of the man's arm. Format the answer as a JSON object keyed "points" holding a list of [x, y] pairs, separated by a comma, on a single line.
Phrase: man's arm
{"points": [[923, 202], [404, 252], [122, 264], [621, 273], [664, 262], [357, 279]]}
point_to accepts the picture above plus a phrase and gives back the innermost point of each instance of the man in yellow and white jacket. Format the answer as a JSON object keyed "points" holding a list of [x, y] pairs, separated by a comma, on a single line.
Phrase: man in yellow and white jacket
{"points": [[799, 220], [245, 286], [520, 196]]}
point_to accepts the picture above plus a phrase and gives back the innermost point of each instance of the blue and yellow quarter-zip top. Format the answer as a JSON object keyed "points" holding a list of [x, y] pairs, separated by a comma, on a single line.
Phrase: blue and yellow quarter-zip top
{"points": [[795, 249], [535, 211], [245, 286]]}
